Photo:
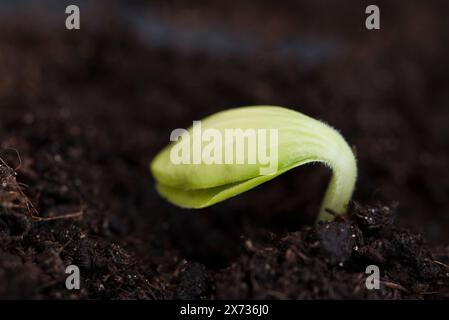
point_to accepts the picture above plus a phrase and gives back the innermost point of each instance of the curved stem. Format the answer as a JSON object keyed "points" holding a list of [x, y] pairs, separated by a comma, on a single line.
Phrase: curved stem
{"points": [[344, 174]]}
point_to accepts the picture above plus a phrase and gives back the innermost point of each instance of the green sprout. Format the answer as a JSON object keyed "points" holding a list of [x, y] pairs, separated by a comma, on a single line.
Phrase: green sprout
{"points": [[189, 182]]}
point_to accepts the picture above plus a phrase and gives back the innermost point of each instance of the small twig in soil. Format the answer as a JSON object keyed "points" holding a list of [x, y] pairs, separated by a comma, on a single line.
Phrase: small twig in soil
{"points": [[277, 294], [71, 215], [18, 157], [441, 264], [393, 285], [299, 253]]}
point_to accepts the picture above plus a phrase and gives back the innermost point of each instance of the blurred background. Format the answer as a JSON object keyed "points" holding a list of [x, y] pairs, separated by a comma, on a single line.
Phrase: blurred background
{"points": [[88, 109]]}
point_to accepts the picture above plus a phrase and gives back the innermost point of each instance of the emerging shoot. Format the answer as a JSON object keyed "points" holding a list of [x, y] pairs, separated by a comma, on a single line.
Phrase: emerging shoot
{"points": [[211, 162]]}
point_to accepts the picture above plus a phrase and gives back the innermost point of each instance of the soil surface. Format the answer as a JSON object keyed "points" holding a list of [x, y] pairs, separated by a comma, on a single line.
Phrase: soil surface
{"points": [[82, 114]]}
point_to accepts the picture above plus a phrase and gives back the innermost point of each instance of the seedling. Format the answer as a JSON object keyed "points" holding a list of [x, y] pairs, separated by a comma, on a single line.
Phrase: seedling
{"points": [[184, 180]]}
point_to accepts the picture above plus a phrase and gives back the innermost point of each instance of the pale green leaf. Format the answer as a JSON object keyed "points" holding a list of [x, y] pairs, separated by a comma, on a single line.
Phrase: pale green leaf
{"points": [[301, 140]]}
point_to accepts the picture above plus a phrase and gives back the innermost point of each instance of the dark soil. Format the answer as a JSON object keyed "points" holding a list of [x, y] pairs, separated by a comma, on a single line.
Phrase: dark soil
{"points": [[83, 113]]}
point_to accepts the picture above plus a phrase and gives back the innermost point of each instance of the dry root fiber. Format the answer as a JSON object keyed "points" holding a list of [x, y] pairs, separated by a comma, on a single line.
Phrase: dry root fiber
{"points": [[11, 194], [15, 207]]}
